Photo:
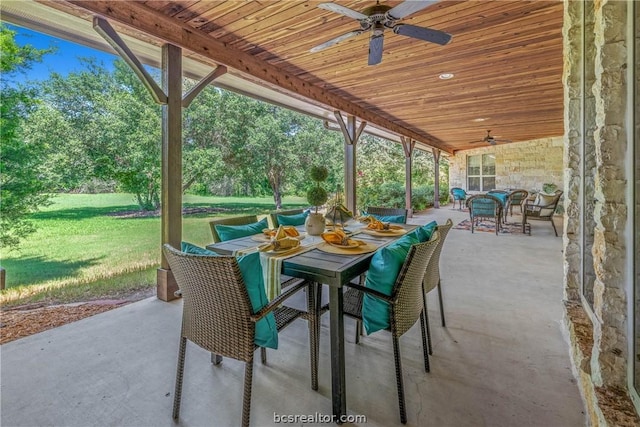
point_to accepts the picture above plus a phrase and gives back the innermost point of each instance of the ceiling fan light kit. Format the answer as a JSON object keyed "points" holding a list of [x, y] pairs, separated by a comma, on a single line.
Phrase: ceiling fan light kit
{"points": [[379, 17]]}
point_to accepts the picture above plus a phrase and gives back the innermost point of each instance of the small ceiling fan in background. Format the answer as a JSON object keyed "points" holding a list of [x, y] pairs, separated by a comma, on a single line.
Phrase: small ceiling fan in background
{"points": [[375, 19], [490, 139]]}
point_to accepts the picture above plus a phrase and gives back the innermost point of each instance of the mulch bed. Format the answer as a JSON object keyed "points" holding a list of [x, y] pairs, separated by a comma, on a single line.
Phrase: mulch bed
{"points": [[22, 321]]}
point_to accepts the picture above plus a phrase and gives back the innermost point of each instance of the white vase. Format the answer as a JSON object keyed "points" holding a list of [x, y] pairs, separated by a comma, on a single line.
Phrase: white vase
{"points": [[314, 224]]}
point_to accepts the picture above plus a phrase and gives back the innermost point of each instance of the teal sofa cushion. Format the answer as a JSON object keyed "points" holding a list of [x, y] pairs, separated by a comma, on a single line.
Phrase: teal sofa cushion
{"points": [[251, 270], [297, 219], [230, 232], [383, 271], [398, 219]]}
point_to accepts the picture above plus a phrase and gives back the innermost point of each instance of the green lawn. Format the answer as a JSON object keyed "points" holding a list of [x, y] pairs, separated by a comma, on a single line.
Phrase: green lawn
{"points": [[82, 249]]}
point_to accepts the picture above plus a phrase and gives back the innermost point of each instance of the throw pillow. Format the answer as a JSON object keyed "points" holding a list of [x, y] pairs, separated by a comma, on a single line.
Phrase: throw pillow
{"points": [[230, 232], [383, 271], [543, 199], [297, 219], [251, 270], [424, 233]]}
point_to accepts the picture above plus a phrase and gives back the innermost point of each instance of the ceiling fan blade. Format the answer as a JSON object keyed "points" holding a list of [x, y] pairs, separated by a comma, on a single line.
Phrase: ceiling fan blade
{"points": [[342, 10], [407, 8], [375, 49], [503, 140], [336, 40], [426, 34]]}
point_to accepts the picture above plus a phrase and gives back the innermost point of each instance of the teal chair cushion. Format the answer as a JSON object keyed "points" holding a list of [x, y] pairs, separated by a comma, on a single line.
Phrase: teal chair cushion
{"points": [[398, 219], [297, 219], [230, 232], [383, 271], [251, 270]]}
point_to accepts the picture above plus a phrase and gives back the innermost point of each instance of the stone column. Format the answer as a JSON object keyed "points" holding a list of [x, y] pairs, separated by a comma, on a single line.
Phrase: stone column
{"points": [[609, 361]]}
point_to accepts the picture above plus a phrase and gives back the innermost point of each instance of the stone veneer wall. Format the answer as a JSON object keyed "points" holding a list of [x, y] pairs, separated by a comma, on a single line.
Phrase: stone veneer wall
{"points": [[527, 165], [601, 366]]}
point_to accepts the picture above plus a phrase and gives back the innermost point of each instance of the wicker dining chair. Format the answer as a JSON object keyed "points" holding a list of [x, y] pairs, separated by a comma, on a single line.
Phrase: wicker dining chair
{"points": [[484, 206], [382, 211], [405, 305], [516, 198], [432, 279], [217, 315], [273, 216], [234, 220]]}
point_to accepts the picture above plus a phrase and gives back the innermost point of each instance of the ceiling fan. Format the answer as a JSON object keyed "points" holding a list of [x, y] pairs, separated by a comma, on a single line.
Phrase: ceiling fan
{"points": [[375, 19], [490, 139]]}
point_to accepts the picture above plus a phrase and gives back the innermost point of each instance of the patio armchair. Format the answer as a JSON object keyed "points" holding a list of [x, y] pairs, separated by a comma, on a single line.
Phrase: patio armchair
{"points": [[218, 315], [484, 206], [516, 198], [405, 305], [458, 194], [385, 214], [542, 208]]}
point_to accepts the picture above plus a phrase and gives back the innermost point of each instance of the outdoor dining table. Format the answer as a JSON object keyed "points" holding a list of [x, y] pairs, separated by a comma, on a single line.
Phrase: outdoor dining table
{"points": [[334, 270]]}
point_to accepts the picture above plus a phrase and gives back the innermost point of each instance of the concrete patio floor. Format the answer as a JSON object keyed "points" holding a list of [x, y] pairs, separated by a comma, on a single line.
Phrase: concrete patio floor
{"points": [[501, 361]]}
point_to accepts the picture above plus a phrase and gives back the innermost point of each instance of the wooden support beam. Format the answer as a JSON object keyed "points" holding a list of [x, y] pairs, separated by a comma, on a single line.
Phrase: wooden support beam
{"points": [[351, 135], [195, 91], [436, 182], [145, 19], [107, 32], [408, 146]]}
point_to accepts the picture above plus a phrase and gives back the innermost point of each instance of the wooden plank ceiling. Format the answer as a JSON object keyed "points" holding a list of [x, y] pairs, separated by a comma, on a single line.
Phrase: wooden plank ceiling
{"points": [[506, 57]]}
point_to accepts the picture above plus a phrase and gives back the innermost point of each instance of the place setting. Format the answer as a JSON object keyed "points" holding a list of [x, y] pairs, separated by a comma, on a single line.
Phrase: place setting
{"points": [[379, 228], [280, 241], [339, 242], [269, 234]]}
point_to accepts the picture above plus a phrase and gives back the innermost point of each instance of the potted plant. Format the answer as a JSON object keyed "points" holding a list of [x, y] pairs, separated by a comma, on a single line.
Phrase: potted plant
{"points": [[316, 196]]}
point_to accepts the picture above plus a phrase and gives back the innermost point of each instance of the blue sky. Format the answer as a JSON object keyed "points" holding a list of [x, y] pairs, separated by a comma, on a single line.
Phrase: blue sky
{"points": [[64, 60]]}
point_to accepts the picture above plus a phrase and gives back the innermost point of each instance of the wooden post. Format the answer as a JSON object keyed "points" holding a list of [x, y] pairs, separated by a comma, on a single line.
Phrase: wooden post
{"points": [[172, 101], [351, 135], [408, 145], [436, 172], [171, 213]]}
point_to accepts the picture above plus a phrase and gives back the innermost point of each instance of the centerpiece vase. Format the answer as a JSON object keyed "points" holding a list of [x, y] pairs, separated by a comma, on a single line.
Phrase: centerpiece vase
{"points": [[314, 224]]}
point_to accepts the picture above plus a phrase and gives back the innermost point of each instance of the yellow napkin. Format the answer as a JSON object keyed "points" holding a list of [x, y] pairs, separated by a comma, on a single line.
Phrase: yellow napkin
{"points": [[339, 237], [280, 241], [288, 230]]}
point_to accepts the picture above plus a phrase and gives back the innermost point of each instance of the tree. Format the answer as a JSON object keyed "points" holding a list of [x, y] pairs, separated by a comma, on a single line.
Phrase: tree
{"points": [[22, 189]]}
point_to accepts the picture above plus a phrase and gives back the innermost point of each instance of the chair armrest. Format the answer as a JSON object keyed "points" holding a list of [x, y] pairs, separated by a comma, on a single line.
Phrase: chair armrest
{"points": [[372, 292], [276, 302]]}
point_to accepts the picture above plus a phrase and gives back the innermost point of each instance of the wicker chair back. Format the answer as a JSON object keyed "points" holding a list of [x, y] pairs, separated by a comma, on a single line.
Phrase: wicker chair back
{"points": [[216, 312]]}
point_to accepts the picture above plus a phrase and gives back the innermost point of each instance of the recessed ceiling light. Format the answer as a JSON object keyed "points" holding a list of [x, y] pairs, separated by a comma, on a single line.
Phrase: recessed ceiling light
{"points": [[445, 76], [479, 119]]}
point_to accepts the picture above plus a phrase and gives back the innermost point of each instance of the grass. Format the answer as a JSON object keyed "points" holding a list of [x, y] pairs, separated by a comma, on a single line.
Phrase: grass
{"points": [[83, 251]]}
